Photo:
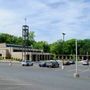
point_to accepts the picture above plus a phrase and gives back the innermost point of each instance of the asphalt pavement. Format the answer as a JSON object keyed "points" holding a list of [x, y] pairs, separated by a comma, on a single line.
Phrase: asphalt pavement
{"points": [[17, 77]]}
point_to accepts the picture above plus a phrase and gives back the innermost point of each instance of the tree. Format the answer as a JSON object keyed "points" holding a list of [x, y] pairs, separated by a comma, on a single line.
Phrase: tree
{"points": [[70, 45], [31, 38], [56, 48], [42, 45], [86, 46], [7, 38]]}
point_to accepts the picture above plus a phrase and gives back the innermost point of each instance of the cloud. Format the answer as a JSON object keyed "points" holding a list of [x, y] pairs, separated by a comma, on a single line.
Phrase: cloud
{"points": [[48, 18]]}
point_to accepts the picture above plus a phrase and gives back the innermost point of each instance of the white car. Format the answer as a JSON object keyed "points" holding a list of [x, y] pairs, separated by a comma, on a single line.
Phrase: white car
{"points": [[85, 62], [59, 61], [27, 63]]}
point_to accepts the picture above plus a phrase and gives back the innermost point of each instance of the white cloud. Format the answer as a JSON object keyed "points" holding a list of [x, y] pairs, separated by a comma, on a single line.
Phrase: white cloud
{"points": [[48, 18]]}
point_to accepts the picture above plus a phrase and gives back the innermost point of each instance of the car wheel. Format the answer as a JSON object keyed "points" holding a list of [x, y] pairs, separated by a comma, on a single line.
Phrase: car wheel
{"points": [[22, 64]]}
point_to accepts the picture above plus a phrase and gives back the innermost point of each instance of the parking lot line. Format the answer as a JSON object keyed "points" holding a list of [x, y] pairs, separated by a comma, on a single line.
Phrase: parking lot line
{"points": [[15, 84], [85, 70], [73, 70]]}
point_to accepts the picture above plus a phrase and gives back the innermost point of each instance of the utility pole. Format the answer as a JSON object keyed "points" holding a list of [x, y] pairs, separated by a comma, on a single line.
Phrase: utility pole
{"points": [[63, 50], [63, 36], [76, 74], [87, 56]]}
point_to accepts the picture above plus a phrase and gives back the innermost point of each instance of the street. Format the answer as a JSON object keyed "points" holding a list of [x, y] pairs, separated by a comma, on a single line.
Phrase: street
{"points": [[17, 77]]}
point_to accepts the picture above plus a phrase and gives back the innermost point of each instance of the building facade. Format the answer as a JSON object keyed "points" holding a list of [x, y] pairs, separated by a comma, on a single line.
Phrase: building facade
{"points": [[73, 57], [11, 51]]}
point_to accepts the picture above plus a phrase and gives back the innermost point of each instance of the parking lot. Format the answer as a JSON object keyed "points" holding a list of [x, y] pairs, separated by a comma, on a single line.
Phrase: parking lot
{"points": [[18, 77]]}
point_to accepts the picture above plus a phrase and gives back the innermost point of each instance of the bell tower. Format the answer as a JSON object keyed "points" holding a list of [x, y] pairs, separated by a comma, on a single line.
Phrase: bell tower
{"points": [[25, 36]]}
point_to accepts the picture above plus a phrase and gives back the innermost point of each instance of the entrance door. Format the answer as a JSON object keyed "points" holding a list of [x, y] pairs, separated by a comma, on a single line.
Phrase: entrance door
{"points": [[33, 57], [0, 54], [27, 57]]}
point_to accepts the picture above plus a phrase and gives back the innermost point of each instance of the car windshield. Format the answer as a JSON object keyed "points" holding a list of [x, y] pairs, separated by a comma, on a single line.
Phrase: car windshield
{"points": [[26, 61], [41, 62], [49, 62]]}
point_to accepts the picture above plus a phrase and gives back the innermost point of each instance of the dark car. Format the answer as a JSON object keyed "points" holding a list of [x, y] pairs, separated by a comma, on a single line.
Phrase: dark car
{"points": [[42, 64], [72, 62], [52, 64]]}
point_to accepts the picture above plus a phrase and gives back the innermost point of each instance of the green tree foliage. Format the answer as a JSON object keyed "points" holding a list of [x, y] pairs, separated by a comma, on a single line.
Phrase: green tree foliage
{"points": [[31, 38], [86, 46], [68, 47], [7, 38], [58, 47], [42, 45]]}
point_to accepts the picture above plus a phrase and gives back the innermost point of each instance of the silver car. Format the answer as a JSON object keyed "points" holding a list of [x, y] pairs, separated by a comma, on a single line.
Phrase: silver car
{"points": [[27, 63], [85, 62]]}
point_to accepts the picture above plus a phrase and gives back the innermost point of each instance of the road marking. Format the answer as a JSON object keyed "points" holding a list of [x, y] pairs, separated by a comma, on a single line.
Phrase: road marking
{"points": [[14, 81], [16, 84], [73, 70], [57, 70], [85, 70]]}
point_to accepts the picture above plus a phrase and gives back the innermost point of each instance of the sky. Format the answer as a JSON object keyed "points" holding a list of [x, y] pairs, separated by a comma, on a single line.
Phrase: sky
{"points": [[47, 18]]}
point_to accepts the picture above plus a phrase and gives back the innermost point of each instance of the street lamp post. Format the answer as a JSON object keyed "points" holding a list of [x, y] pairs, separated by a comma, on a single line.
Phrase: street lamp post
{"points": [[63, 50], [87, 56], [63, 36], [76, 74], [87, 60]]}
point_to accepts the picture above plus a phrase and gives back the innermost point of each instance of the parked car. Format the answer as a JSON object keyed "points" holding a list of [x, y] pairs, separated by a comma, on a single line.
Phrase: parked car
{"points": [[27, 63], [72, 62], [52, 64], [66, 63], [42, 64], [85, 62], [59, 61]]}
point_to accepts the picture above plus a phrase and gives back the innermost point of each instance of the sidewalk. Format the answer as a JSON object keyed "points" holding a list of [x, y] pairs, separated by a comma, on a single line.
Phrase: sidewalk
{"points": [[8, 61]]}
